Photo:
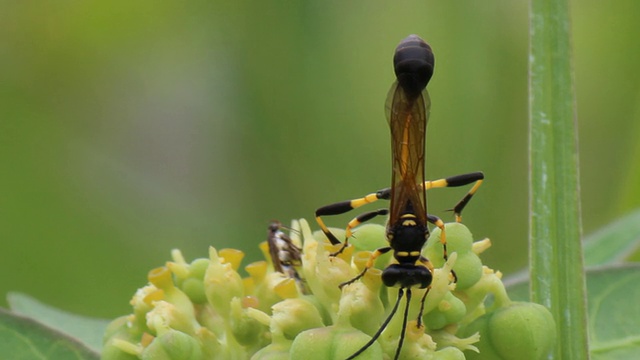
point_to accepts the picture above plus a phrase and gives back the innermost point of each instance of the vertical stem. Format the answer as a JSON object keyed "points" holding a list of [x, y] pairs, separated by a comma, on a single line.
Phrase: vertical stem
{"points": [[557, 276]]}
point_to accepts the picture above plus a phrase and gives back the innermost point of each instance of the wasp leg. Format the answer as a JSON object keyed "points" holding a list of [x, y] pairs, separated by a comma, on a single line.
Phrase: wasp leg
{"points": [[346, 206], [443, 239], [355, 222], [422, 300], [456, 181], [367, 266], [429, 266], [404, 325]]}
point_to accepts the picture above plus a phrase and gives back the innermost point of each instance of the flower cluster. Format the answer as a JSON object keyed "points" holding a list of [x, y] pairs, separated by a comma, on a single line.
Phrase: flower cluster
{"points": [[205, 310]]}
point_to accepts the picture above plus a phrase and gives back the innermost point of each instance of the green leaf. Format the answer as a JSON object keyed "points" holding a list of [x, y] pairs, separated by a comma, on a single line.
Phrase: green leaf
{"points": [[615, 242], [555, 231], [613, 308], [25, 338], [85, 329]]}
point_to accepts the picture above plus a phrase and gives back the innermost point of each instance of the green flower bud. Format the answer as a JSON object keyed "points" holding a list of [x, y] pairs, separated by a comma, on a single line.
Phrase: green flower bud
{"points": [[279, 347], [162, 279], [194, 288], [142, 302], [449, 353], [120, 341], [212, 347], [293, 316], [449, 311], [468, 270], [113, 350], [369, 237], [459, 240], [277, 350], [332, 342], [269, 287], [118, 327], [417, 344], [362, 305], [178, 266], [445, 339], [222, 283], [189, 277], [247, 330], [324, 313], [324, 273], [166, 315], [173, 345], [441, 285], [474, 297], [519, 331], [207, 317]]}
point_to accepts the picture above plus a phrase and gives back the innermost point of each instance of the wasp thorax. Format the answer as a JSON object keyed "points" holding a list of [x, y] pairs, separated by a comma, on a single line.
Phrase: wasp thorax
{"points": [[406, 276]]}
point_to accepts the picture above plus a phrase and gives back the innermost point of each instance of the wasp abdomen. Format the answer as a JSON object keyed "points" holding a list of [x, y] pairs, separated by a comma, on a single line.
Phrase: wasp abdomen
{"points": [[413, 63]]}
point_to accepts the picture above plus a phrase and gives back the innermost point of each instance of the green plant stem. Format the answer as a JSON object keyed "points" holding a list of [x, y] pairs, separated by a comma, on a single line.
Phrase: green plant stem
{"points": [[557, 276]]}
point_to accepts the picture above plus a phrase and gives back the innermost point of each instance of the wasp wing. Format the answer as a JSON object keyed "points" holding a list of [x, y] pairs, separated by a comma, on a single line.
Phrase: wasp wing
{"points": [[407, 117]]}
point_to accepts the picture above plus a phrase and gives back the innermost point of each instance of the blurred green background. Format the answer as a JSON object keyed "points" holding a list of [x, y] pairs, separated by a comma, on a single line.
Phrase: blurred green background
{"points": [[131, 128]]}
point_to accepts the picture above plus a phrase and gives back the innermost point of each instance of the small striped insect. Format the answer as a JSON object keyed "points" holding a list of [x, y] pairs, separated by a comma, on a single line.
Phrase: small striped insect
{"points": [[285, 255], [407, 230]]}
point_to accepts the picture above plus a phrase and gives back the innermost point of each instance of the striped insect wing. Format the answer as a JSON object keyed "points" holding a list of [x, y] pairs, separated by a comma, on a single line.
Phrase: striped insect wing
{"points": [[413, 63], [274, 249]]}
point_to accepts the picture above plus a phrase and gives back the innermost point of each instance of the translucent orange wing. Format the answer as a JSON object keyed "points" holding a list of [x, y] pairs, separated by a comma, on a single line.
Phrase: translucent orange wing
{"points": [[407, 119]]}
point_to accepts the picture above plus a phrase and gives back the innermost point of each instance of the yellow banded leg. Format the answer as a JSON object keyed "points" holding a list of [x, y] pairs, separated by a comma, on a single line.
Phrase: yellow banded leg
{"points": [[456, 181], [357, 221], [346, 206], [368, 265], [443, 236], [443, 239]]}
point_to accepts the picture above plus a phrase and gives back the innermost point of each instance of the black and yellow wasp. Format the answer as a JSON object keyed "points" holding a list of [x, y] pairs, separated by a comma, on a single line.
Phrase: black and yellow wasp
{"points": [[407, 231]]}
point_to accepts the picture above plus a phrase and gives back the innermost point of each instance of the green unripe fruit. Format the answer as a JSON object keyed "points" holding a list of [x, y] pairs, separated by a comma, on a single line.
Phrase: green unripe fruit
{"points": [[332, 342], [468, 268], [173, 345], [112, 352], [193, 285], [118, 327], [276, 351], [459, 239], [368, 237], [194, 288], [292, 316], [247, 330], [520, 331], [449, 353], [449, 311]]}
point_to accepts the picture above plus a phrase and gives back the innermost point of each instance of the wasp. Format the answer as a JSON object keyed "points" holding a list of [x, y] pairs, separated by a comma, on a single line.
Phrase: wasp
{"points": [[285, 255], [407, 230]]}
